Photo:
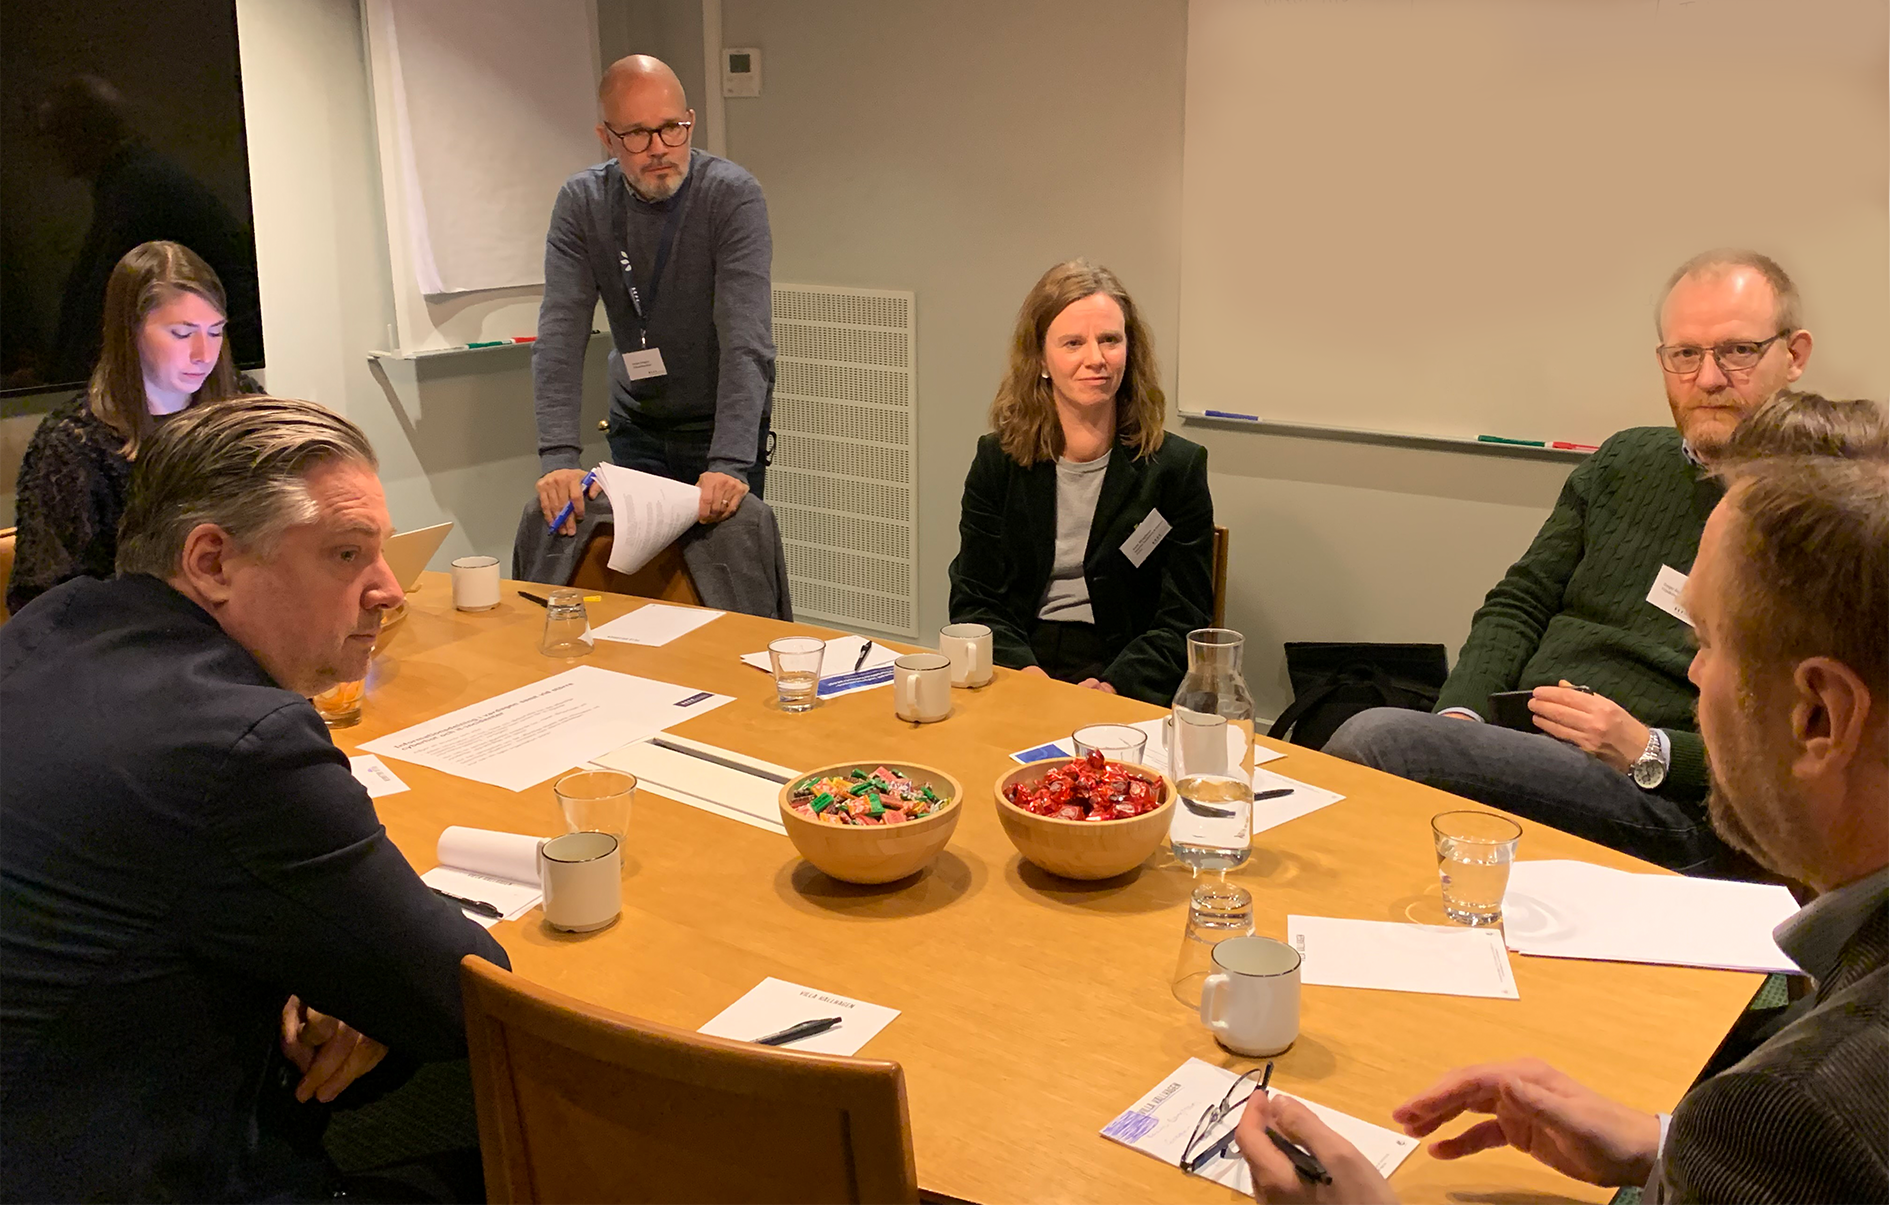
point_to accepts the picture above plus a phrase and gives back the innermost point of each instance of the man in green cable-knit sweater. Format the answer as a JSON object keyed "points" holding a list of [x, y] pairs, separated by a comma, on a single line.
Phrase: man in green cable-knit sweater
{"points": [[1587, 619]]}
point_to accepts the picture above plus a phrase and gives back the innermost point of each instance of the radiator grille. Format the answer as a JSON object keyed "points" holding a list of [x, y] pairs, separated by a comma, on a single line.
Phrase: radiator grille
{"points": [[843, 478]]}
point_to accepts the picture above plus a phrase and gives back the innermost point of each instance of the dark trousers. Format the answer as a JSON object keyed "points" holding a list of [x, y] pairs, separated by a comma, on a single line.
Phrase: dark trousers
{"points": [[1069, 652], [681, 453]]}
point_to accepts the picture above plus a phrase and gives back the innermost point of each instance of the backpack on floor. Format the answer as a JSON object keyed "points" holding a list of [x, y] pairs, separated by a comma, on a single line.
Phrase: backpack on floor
{"points": [[1333, 681]]}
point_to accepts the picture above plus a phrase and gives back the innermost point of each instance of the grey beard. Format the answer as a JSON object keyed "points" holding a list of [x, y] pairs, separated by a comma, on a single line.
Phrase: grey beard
{"points": [[664, 191]]}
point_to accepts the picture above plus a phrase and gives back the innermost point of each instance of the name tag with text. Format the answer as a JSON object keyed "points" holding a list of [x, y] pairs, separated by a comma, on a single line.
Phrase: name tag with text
{"points": [[1666, 593], [642, 365], [1147, 534]]}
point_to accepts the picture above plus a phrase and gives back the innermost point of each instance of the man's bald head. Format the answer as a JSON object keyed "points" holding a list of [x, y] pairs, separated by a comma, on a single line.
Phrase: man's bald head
{"points": [[639, 73], [643, 108]]}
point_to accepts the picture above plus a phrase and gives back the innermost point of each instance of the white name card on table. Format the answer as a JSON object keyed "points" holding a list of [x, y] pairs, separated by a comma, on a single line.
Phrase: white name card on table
{"points": [[775, 1004], [837, 675], [648, 514], [1391, 956], [372, 773], [1302, 798], [500, 869], [1566, 909], [1160, 1124], [720, 781], [655, 624], [1156, 754], [525, 736]]}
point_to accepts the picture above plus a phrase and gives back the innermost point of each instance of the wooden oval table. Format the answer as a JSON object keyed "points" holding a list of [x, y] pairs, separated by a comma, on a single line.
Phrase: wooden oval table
{"points": [[1033, 1009]]}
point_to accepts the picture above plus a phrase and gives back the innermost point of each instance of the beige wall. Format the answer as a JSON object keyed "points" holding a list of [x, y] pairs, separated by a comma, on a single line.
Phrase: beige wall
{"points": [[957, 148]]}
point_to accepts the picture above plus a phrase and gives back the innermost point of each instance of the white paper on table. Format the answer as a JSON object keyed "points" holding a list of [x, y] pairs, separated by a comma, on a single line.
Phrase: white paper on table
{"points": [[1567, 909], [372, 773], [500, 869], [837, 675], [655, 624], [1154, 755], [775, 1004], [1160, 1124], [751, 798], [1271, 813], [1391, 956], [525, 736], [648, 513]]}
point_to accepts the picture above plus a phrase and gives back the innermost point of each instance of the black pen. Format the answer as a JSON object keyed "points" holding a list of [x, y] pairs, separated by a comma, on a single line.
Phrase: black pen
{"points": [[794, 1033], [479, 906], [543, 602], [1310, 1169], [861, 660], [1275, 793]]}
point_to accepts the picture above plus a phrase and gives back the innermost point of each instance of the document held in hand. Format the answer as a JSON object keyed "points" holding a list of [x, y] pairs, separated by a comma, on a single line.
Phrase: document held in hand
{"points": [[650, 512]]}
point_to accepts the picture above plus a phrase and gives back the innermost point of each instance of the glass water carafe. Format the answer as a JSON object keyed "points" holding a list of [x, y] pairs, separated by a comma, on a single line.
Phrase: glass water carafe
{"points": [[1210, 755]]}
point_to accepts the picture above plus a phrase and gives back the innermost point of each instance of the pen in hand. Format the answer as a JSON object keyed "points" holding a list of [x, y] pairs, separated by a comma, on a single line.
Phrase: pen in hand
{"points": [[1309, 1168], [571, 507]]}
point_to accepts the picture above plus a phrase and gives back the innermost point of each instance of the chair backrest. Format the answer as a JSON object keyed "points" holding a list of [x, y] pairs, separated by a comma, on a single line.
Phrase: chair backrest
{"points": [[1220, 576], [6, 568], [578, 1103], [666, 577]]}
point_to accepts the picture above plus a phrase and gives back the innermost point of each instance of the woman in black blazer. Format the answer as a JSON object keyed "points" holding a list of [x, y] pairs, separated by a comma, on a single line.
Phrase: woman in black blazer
{"points": [[1086, 534]]}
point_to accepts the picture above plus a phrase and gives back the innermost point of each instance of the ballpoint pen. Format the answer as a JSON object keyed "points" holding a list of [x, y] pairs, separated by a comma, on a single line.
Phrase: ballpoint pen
{"points": [[794, 1033], [865, 648], [569, 507], [479, 906]]}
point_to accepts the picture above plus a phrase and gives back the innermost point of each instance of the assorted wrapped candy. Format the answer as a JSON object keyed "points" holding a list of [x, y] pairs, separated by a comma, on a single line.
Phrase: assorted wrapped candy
{"points": [[1089, 788], [883, 796]]}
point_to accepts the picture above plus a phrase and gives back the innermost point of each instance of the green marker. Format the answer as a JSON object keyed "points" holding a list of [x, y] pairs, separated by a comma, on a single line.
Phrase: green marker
{"points": [[1520, 443], [490, 343]]}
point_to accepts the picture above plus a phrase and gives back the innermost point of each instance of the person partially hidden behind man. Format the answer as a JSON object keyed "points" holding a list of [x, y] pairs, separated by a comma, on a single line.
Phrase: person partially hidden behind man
{"points": [[205, 933], [1586, 619], [1791, 673]]}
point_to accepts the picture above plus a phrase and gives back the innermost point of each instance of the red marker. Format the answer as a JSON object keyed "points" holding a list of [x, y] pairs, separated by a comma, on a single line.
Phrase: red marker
{"points": [[524, 338], [1565, 446]]}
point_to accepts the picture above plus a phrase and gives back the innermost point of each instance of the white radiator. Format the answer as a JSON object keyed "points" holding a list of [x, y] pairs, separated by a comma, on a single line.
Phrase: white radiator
{"points": [[844, 477]]}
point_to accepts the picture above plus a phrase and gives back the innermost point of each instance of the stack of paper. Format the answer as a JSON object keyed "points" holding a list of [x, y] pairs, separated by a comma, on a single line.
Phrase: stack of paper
{"points": [[500, 869], [648, 514], [837, 675], [1391, 956], [1565, 909], [1160, 1124]]}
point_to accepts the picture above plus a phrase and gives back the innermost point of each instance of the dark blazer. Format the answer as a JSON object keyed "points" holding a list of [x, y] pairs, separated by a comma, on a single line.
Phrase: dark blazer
{"points": [[184, 849], [1802, 1117], [1007, 534]]}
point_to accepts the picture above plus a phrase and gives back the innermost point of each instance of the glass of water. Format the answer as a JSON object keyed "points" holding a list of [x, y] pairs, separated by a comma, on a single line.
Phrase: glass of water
{"points": [[567, 625], [796, 661], [1216, 911], [596, 801], [1474, 851], [1116, 742]]}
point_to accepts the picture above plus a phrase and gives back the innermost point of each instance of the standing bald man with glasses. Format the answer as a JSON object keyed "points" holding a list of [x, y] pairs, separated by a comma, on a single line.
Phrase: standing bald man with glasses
{"points": [[1588, 619], [676, 243]]}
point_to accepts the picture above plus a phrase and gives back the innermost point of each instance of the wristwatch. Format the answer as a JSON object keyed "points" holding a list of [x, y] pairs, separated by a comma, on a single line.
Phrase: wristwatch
{"points": [[1649, 770]]}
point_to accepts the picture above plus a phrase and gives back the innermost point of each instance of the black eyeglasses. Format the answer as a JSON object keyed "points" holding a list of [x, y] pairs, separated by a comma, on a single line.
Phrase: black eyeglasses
{"points": [[1196, 1155], [636, 139], [1735, 355]]}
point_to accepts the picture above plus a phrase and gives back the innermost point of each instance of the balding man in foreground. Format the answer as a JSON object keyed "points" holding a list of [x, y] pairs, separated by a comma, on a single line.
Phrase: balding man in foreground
{"points": [[675, 240], [1791, 671]]}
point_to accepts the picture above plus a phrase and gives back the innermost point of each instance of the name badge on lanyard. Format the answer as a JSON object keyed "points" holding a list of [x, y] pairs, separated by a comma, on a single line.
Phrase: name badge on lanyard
{"points": [[647, 361]]}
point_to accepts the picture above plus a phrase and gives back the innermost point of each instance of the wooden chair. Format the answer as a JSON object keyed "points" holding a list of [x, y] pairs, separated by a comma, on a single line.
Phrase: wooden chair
{"points": [[578, 1103], [1220, 576], [666, 577], [6, 567]]}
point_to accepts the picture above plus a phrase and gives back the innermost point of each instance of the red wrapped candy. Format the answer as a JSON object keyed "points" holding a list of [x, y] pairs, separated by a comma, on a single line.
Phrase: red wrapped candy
{"points": [[1088, 788]]}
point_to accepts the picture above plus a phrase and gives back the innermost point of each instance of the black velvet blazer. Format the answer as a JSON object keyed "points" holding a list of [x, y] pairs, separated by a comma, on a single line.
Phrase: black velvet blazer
{"points": [[1007, 532]]}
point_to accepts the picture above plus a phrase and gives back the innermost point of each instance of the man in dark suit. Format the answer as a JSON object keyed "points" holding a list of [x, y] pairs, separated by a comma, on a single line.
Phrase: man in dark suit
{"points": [[205, 933], [1791, 670]]}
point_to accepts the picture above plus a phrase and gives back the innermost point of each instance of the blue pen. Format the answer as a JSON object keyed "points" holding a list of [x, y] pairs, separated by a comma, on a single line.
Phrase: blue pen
{"points": [[1252, 418], [569, 507]]}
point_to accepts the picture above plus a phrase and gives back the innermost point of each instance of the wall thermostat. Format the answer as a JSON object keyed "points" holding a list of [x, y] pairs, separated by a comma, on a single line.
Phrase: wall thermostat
{"points": [[741, 71]]}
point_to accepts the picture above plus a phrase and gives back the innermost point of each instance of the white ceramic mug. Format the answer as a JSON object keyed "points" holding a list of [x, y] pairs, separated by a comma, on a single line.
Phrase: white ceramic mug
{"points": [[476, 583], [922, 687], [969, 647], [1250, 1002], [583, 878]]}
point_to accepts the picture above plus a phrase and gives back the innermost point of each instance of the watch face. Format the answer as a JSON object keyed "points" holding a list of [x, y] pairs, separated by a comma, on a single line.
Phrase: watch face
{"points": [[1648, 773]]}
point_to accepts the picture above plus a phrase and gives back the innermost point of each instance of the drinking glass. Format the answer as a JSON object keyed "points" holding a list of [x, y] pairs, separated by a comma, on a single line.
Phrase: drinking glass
{"points": [[796, 661], [1117, 742], [596, 801], [567, 625], [340, 705], [1216, 911], [1210, 755], [1474, 850]]}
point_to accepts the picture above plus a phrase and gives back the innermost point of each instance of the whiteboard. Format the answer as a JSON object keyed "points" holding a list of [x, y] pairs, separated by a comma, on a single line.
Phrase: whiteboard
{"points": [[482, 109], [1455, 217]]}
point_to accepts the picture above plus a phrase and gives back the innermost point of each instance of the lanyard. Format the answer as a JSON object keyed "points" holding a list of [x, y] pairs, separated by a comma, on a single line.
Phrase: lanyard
{"points": [[665, 242]]}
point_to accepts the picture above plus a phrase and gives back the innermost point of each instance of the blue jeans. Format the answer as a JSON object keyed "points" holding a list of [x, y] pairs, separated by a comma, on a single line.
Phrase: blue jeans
{"points": [[1535, 776], [681, 454]]}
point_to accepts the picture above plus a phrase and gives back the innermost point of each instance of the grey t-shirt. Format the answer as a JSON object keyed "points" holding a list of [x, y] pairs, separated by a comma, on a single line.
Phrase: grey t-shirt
{"points": [[1066, 594]]}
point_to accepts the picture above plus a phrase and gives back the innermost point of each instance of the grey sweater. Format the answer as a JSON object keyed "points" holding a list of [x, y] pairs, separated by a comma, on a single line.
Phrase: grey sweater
{"points": [[711, 317]]}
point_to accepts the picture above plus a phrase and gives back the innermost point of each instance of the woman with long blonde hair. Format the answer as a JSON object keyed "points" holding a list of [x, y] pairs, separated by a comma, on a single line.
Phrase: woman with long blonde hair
{"points": [[1086, 533], [163, 351]]}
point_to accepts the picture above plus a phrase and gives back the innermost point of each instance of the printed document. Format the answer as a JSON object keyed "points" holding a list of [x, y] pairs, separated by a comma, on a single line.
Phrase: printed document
{"points": [[1160, 1124], [720, 781], [525, 736], [1447, 960], [837, 675], [500, 869], [775, 1004], [648, 512], [655, 624]]}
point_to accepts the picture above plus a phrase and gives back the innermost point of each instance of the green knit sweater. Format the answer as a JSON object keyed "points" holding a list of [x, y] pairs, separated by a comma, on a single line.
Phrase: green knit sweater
{"points": [[1575, 606]]}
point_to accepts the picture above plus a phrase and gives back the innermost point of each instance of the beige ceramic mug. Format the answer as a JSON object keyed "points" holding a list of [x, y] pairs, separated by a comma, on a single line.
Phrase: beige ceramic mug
{"points": [[922, 687]]}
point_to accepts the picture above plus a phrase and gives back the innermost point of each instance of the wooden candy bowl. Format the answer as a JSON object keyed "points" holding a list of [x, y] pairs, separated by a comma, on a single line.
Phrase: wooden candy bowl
{"points": [[1083, 849], [874, 853]]}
